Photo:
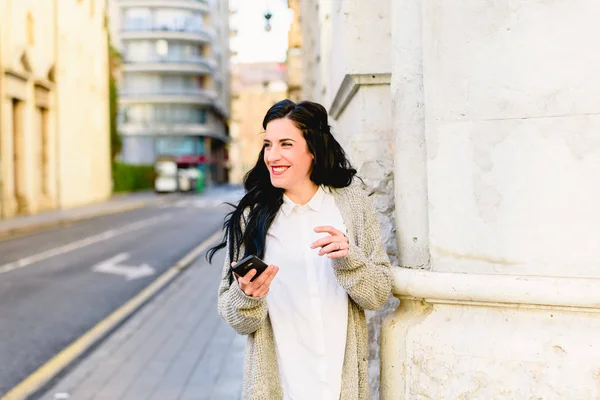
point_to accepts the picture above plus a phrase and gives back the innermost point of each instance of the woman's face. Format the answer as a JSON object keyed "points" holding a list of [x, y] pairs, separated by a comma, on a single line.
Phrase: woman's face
{"points": [[286, 154]]}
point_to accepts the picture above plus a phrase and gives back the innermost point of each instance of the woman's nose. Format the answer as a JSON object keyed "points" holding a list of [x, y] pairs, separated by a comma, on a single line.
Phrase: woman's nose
{"points": [[273, 155]]}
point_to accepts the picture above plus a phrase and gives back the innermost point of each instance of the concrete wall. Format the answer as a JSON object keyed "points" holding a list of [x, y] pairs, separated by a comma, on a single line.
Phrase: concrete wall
{"points": [[475, 124], [514, 98], [494, 118], [311, 54]]}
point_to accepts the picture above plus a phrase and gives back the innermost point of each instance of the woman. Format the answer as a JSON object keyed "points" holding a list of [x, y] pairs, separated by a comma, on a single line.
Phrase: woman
{"points": [[319, 233]]}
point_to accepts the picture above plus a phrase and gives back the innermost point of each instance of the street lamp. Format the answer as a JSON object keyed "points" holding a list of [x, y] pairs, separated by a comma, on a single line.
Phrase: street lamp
{"points": [[268, 16]]}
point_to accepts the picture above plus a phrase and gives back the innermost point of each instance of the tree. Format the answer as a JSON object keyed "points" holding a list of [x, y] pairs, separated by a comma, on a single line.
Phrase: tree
{"points": [[114, 63]]}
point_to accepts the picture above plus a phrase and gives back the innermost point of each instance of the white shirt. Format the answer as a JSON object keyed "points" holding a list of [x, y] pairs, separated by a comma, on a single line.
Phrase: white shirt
{"points": [[307, 306]]}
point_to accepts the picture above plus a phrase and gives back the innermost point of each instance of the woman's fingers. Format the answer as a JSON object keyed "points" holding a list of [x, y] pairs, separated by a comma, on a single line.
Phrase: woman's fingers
{"points": [[254, 285], [328, 229], [334, 238], [270, 271], [322, 242], [334, 245], [260, 286], [268, 279], [261, 293], [245, 280], [338, 254], [264, 288]]}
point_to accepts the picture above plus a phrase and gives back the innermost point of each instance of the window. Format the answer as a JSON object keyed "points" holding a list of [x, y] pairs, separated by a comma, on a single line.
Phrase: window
{"points": [[18, 108], [139, 51], [164, 114], [143, 84], [177, 20], [41, 115], [137, 19], [162, 51], [177, 146]]}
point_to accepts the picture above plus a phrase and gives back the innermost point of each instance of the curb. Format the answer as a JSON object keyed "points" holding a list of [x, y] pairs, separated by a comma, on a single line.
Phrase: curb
{"points": [[20, 231], [52, 368]]}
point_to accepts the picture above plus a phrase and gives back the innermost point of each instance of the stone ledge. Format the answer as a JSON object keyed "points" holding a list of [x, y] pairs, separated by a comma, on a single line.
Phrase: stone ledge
{"points": [[349, 87], [497, 290]]}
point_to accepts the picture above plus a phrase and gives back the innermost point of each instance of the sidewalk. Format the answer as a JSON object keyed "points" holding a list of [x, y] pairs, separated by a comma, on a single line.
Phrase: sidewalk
{"points": [[175, 348], [116, 204]]}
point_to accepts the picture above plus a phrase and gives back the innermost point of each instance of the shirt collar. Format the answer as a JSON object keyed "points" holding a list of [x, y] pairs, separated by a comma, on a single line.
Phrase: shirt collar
{"points": [[315, 204]]}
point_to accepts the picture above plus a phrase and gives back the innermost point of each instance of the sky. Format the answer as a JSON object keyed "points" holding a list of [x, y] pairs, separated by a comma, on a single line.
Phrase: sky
{"points": [[253, 43]]}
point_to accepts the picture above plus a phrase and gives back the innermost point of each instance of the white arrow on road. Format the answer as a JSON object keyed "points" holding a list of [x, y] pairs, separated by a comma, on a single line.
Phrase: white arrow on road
{"points": [[111, 266]]}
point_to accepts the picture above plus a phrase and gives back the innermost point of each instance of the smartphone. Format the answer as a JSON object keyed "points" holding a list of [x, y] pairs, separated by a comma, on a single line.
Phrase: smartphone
{"points": [[249, 263]]}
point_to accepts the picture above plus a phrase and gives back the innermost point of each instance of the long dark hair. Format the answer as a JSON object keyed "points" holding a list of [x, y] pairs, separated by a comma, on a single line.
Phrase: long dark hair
{"points": [[330, 168]]}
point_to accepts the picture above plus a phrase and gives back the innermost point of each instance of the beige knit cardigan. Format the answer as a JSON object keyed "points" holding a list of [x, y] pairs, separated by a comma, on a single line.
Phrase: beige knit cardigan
{"points": [[365, 275]]}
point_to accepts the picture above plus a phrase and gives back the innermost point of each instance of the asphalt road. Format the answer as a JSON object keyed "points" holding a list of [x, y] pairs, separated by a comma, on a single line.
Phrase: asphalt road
{"points": [[57, 284]]}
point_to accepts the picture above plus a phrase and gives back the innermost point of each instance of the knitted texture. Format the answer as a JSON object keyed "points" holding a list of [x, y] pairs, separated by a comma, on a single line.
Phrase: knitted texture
{"points": [[365, 274]]}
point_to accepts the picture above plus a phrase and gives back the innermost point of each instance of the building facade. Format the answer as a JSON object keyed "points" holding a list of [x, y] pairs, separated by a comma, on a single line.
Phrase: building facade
{"points": [[294, 59], [175, 78], [255, 88], [477, 130], [54, 118]]}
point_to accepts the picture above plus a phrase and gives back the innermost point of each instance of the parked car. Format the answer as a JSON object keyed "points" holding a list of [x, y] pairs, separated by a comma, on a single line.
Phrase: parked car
{"points": [[166, 180]]}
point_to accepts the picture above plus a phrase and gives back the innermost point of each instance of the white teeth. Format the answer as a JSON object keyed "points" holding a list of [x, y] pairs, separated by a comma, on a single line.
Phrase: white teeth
{"points": [[279, 169]]}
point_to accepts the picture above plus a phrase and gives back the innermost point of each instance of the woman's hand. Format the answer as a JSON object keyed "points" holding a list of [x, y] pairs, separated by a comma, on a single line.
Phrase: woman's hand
{"points": [[260, 286], [335, 246]]}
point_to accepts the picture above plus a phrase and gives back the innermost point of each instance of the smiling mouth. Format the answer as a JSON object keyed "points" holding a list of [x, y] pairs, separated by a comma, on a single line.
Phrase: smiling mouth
{"points": [[279, 170]]}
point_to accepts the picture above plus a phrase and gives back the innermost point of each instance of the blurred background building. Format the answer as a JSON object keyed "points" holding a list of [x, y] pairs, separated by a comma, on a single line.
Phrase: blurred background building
{"points": [[259, 75], [255, 88], [54, 152], [174, 85], [294, 60]]}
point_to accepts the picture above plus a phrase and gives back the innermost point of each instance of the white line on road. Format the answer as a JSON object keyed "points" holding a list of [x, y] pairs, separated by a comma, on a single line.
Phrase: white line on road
{"points": [[113, 266], [23, 262], [50, 370]]}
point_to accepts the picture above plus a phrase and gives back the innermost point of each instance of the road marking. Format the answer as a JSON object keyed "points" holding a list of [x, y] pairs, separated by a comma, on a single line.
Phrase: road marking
{"points": [[212, 201], [130, 272], [23, 262], [56, 364]]}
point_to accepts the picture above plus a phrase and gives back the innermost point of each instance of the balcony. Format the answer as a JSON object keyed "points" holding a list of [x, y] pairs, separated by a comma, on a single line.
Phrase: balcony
{"points": [[170, 64], [164, 129], [169, 96], [193, 5], [146, 30]]}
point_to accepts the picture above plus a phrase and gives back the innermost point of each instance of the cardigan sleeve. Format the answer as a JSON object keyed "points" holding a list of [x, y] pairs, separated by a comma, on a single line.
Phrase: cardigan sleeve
{"points": [[243, 313], [365, 273]]}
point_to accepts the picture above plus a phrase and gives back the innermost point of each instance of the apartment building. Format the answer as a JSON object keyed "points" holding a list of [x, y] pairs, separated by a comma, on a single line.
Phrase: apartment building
{"points": [[174, 81]]}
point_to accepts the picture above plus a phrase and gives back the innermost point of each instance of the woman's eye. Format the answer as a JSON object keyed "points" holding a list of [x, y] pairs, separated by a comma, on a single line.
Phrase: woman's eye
{"points": [[286, 144], [266, 145]]}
